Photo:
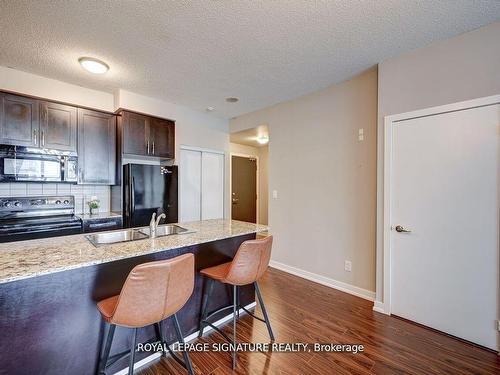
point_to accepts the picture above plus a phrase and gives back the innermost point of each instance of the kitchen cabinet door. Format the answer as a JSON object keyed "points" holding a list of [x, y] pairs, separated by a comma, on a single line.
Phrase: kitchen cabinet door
{"points": [[96, 147], [162, 138], [58, 126], [19, 120], [135, 134]]}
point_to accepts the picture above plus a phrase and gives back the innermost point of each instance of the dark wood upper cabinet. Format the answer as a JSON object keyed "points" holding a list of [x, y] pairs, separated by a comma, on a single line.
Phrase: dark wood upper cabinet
{"points": [[134, 133], [146, 135], [19, 123], [96, 147], [162, 138], [58, 125]]}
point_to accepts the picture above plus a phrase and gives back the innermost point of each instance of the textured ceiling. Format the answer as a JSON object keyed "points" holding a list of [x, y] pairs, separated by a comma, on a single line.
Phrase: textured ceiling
{"points": [[197, 53]]}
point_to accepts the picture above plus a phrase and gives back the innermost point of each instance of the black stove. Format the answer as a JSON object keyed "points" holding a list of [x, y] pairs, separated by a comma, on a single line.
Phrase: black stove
{"points": [[25, 218]]}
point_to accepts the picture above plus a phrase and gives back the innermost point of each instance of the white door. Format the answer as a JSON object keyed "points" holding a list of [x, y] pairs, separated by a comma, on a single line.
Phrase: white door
{"points": [[190, 186], [445, 189], [212, 186], [201, 186]]}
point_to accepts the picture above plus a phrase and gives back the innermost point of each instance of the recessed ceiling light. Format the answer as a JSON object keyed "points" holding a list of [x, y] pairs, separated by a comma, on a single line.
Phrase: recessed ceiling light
{"points": [[263, 139], [232, 100], [210, 109], [93, 65]]}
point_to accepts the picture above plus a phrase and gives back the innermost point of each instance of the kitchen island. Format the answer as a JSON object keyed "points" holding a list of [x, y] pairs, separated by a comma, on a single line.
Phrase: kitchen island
{"points": [[49, 288]]}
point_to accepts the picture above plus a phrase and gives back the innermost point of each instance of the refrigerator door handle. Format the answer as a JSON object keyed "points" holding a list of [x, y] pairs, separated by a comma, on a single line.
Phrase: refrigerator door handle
{"points": [[132, 198]]}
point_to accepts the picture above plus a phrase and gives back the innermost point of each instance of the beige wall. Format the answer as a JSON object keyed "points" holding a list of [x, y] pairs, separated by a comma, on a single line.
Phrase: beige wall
{"points": [[262, 190], [264, 185], [325, 179], [457, 69]]}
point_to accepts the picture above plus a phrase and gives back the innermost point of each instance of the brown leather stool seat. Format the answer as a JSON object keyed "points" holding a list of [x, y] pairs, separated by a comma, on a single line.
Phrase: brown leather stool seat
{"points": [[217, 272], [151, 293], [249, 265]]}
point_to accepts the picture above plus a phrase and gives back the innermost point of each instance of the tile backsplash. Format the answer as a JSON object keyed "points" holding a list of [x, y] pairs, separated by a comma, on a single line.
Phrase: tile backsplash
{"points": [[82, 193]]}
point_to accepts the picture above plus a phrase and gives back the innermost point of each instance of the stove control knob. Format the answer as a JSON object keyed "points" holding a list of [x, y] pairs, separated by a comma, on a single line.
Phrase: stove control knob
{"points": [[58, 201], [66, 201], [8, 204], [17, 204]]}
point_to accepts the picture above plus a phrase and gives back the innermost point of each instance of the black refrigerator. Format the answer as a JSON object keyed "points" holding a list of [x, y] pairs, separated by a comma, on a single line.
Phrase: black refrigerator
{"points": [[148, 189]]}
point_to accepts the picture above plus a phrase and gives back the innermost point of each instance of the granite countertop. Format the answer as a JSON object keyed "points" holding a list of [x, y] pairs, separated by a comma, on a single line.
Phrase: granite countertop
{"points": [[24, 259], [100, 215]]}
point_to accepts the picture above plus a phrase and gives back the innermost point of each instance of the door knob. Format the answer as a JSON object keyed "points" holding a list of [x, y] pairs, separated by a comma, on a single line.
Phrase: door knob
{"points": [[235, 200], [401, 229]]}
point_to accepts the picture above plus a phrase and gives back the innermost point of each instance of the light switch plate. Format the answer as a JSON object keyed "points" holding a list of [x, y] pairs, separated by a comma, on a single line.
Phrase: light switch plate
{"points": [[361, 134], [275, 194]]}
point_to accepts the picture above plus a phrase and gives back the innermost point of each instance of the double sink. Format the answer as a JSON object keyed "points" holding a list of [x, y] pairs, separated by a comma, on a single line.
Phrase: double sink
{"points": [[127, 235]]}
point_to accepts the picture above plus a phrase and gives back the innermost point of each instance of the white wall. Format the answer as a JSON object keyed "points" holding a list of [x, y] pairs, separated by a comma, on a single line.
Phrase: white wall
{"points": [[326, 180], [262, 189], [31, 84], [457, 69], [193, 128]]}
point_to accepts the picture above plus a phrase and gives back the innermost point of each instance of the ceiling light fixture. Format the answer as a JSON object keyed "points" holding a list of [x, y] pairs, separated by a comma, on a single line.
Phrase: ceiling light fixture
{"points": [[93, 65], [263, 139], [232, 100]]}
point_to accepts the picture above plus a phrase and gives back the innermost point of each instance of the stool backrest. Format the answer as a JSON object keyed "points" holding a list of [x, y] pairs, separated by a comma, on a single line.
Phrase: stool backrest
{"points": [[250, 262], [154, 291]]}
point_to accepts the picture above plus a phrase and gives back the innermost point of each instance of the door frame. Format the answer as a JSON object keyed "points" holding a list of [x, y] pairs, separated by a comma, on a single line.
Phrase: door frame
{"points": [[257, 182], [389, 123]]}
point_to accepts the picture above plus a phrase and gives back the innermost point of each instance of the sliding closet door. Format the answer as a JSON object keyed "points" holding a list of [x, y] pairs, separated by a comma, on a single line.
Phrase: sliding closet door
{"points": [[190, 186], [201, 187], [212, 186]]}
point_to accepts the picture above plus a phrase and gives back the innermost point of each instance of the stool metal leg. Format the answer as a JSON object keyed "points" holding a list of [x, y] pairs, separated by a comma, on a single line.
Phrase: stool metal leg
{"points": [[235, 307], [159, 336], [264, 311], [238, 301], [209, 284], [107, 347], [132, 352], [185, 354]]}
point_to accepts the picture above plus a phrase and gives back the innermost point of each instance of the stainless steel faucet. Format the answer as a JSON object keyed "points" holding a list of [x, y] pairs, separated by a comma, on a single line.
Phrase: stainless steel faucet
{"points": [[153, 224]]}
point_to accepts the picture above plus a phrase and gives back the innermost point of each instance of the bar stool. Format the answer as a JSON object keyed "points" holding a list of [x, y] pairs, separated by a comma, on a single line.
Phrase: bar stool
{"points": [[249, 264], [152, 292]]}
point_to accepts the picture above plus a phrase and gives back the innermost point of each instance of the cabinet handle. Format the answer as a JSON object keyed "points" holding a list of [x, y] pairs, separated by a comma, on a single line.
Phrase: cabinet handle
{"points": [[153, 147], [43, 138], [148, 146], [34, 137]]}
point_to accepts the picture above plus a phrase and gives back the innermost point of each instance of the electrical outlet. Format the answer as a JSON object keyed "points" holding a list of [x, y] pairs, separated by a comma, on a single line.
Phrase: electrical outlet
{"points": [[275, 194], [348, 266]]}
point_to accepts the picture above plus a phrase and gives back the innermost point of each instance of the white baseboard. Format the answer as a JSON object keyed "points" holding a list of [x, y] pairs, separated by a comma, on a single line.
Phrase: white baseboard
{"points": [[380, 307], [189, 338], [323, 280]]}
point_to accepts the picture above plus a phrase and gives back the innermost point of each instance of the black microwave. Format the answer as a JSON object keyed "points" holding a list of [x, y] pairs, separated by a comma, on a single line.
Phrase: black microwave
{"points": [[29, 164]]}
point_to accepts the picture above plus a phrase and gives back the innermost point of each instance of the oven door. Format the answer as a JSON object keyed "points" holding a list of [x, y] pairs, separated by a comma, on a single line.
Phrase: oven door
{"points": [[21, 230], [30, 167]]}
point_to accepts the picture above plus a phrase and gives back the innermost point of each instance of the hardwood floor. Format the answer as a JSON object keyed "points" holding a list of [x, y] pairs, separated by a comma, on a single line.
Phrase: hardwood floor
{"points": [[303, 311]]}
